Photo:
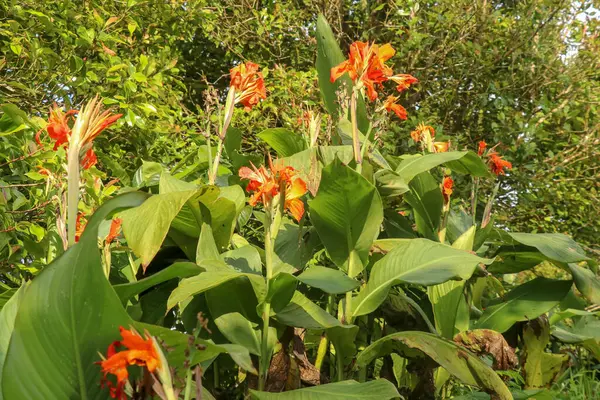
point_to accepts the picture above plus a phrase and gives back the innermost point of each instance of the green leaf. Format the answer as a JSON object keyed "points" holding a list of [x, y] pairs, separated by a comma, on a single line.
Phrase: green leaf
{"points": [[425, 198], [397, 226], [329, 280], [539, 368], [239, 330], [126, 291], [586, 329], [510, 260], [285, 142], [347, 214], [587, 282], [68, 314], [414, 261], [470, 164], [145, 227], [380, 389], [7, 324], [330, 55], [207, 248], [525, 302], [446, 298], [244, 259], [415, 164], [281, 290], [301, 312], [555, 246], [390, 183], [455, 359], [207, 280]]}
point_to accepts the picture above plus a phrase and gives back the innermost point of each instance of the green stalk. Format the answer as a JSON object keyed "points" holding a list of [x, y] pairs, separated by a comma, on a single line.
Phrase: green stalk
{"points": [[265, 357], [351, 273], [474, 199], [321, 352], [188, 385], [355, 138], [72, 191], [229, 106]]}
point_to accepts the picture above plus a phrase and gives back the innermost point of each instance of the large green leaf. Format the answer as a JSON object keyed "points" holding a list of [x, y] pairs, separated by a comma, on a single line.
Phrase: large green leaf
{"points": [[470, 164], [126, 291], [414, 261], [328, 56], [283, 141], [425, 197], [555, 246], [455, 359], [539, 368], [413, 165], [68, 314], [329, 280], [146, 227], [207, 280], [7, 324], [446, 298], [380, 389], [525, 302], [587, 282], [510, 260], [390, 183], [347, 213]]}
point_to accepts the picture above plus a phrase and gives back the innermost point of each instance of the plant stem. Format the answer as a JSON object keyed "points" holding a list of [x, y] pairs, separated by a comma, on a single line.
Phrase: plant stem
{"points": [[474, 199], [355, 138], [188, 385], [265, 356], [229, 105], [340, 366], [351, 273], [72, 191], [321, 352]]}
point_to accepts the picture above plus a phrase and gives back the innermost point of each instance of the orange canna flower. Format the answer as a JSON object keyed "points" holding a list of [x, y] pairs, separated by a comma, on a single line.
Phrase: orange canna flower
{"points": [[295, 189], [447, 184], [80, 224], [498, 164], [267, 183], [248, 83], [403, 81], [115, 227], [262, 183], [58, 126], [391, 105], [366, 65], [419, 132], [89, 160], [481, 148], [441, 147], [139, 352]]}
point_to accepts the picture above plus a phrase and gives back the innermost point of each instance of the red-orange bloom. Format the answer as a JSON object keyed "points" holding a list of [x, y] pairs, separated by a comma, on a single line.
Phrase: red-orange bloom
{"points": [[481, 148], [391, 105], [80, 224], [403, 81], [115, 227], [139, 352], [295, 189], [366, 64], [89, 160], [267, 183], [420, 131], [447, 184], [441, 147], [58, 126], [262, 184], [248, 83], [498, 164]]}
